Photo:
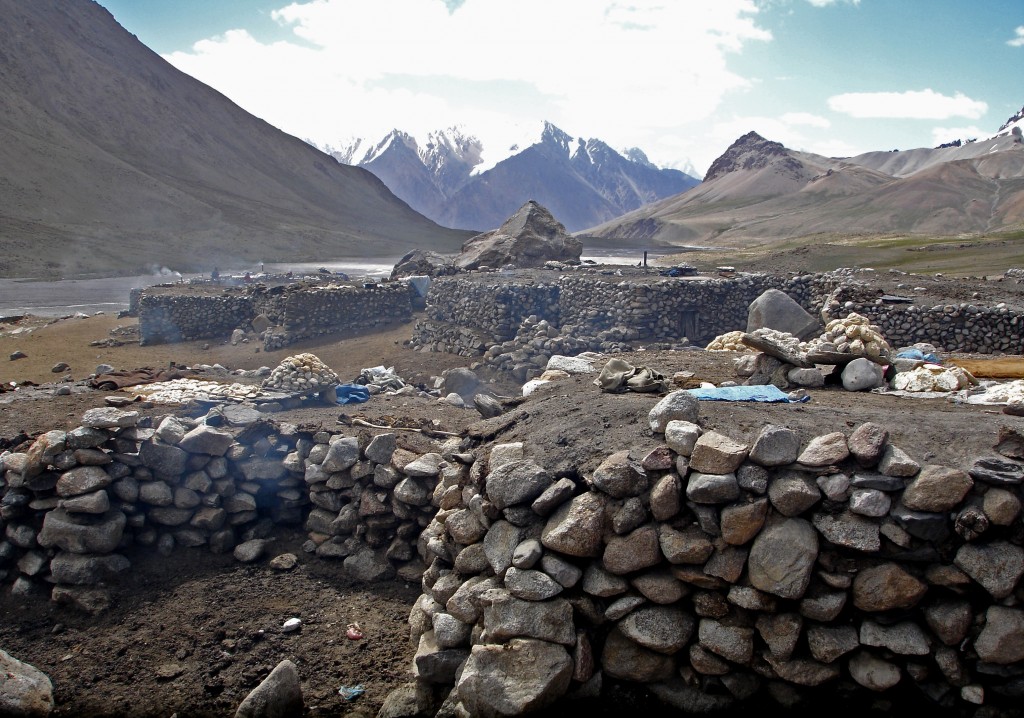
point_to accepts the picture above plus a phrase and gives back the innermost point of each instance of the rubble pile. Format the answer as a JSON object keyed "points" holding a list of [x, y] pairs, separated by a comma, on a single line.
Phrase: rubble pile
{"points": [[301, 374], [932, 377]]}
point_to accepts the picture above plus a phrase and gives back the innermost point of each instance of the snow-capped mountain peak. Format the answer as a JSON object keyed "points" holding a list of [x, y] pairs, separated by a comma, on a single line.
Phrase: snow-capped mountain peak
{"points": [[460, 181], [1017, 121], [452, 144]]}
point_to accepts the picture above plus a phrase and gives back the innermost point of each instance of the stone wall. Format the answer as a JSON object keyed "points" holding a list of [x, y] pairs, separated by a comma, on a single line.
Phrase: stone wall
{"points": [[707, 569], [713, 571], [316, 311], [497, 317], [75, 498], [292, 312], [961, 327]]}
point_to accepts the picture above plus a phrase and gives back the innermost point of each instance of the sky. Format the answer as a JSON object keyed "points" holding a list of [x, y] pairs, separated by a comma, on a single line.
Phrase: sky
{"points": [[679, 79]]}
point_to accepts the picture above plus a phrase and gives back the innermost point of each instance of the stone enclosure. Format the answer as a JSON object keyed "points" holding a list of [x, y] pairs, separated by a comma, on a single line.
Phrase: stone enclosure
{"points": [[711, 571]]}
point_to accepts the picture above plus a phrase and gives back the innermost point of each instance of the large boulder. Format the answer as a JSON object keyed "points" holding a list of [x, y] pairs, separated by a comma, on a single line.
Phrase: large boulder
{"points": [[774, 309], [24, 689], [424, 263], [529, 238]]}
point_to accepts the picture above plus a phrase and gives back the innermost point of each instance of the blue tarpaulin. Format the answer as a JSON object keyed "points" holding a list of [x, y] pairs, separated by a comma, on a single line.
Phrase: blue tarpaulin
{"points": [[351, 393], [919, 355], [767, 393]]}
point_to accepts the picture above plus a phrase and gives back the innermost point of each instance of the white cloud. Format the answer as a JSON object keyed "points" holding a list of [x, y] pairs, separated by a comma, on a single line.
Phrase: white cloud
{"points": [[941, 135], [1018, 40], [612, 69], [826, 3], [913, 104]]}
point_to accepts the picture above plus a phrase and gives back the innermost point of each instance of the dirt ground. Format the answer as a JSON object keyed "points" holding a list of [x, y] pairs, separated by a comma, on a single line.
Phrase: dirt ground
{"points": [[193, 633]]}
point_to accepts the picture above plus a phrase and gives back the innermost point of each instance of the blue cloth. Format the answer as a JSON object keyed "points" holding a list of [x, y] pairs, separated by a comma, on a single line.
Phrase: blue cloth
{"points": [[767, 393], [351, 393], [919, 355]]}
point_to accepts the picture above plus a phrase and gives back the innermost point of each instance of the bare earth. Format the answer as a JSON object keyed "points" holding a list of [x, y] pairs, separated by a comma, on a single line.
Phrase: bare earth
{"points": [[193, 633]]}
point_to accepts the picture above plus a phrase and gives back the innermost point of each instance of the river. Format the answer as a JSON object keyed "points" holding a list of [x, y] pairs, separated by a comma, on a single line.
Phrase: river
{"points": [[111, 294]]}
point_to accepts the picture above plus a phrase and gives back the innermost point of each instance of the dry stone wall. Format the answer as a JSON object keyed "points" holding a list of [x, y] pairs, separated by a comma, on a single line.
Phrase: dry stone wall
{"points": [[717, 572], [497, 317], [75, 499], [709, 570], [961, 327], [169, 318], [170, 313], [316, 311]]}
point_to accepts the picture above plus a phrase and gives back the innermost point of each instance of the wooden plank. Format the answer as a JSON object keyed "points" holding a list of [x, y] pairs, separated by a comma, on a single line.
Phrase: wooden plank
{"points": [[995, 368]]}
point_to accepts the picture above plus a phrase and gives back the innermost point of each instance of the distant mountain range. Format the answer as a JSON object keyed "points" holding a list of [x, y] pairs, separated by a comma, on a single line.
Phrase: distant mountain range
{"points": [[759, 191], [114, 162], [450, 177]]}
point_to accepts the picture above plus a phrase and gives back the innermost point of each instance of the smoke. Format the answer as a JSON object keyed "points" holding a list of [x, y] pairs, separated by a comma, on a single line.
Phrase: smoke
{"points": [[163, 272]]}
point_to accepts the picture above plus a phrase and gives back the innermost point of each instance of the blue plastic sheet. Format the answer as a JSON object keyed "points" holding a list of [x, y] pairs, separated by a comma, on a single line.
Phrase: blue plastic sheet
{"points": [[767, 393], [351, 393], [919, 355], [350, 692]]}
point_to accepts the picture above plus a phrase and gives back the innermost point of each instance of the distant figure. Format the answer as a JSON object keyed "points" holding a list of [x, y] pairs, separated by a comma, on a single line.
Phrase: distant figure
{"points": [[215, 275], [247, 278]]}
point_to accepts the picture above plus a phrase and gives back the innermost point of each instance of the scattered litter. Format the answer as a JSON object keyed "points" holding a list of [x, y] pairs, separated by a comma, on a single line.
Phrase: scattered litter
{"points": [[383, 378], [350, 692], [354, 632]]}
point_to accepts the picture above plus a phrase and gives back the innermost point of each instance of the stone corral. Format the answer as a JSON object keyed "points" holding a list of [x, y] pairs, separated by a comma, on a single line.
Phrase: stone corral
{"points": [[707, 569], [75, 498], [315, 311], [961, 327], [169, 318], [283, 314], [498, 316], [712, 571]]}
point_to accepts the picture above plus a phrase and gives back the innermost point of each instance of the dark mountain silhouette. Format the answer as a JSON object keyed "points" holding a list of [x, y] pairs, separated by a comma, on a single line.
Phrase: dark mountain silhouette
{"points": [[112, 161]]}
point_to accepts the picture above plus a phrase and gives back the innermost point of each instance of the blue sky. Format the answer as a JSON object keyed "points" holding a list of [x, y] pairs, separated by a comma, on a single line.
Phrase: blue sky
{"points": [[680, 79]]}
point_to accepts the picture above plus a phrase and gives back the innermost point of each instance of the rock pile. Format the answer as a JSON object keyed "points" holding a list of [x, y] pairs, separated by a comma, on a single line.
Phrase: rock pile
{"points": [[301, 374], [852, 335]]}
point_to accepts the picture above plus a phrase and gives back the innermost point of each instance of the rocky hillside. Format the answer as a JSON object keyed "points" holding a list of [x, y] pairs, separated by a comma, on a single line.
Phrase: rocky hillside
{"points": [[112, 161], [759, 191], [445, 177]]}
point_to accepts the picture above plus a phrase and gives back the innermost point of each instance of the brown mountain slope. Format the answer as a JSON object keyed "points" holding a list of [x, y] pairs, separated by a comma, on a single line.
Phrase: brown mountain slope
{"points": [[112, 161], [759, 192]]}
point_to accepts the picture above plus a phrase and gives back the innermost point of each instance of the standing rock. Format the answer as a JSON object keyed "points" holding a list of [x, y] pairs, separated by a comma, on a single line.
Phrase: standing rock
{"points": [[24, 690], [278, 696]]}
